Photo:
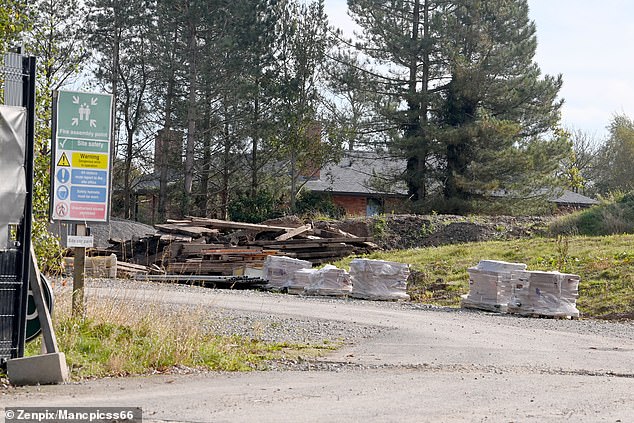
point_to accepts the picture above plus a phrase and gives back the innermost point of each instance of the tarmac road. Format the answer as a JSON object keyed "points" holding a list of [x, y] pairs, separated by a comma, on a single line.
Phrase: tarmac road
{"points": [[426, 365]]}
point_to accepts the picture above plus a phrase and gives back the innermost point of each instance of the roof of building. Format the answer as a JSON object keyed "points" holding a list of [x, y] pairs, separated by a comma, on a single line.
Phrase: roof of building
{"points": [[567, 197], [361, 172]]}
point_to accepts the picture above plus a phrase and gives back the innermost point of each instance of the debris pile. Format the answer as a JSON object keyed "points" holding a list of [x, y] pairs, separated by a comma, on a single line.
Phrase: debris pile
{"points": [[379, 280]]}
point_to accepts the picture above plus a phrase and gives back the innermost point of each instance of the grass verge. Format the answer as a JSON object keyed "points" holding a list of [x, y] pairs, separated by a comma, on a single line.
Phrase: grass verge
{"points": [[605, 264], [120, 338]]}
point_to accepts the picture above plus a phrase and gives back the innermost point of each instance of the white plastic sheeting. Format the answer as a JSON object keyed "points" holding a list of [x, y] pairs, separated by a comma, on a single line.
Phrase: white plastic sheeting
{"points": [[278, 270], [490, 284], [12, 172], [329, 281], [379, 280], [300, 280], [545, 293]]}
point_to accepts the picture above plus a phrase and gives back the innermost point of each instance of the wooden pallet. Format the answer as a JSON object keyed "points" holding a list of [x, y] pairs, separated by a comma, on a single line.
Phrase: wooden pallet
{"points": [[474, 305], [541, 314]]}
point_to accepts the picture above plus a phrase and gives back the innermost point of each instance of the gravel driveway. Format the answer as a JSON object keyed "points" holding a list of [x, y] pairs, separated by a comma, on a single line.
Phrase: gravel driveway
{"points": [[399, 362]]}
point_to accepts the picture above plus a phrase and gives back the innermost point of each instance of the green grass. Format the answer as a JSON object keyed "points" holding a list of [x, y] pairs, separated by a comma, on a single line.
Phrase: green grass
{"points": [[605, 264], [119, 338]]}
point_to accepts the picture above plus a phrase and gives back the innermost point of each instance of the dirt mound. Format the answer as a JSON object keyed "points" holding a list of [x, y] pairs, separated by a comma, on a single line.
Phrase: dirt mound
{"points": [[412, 231]]}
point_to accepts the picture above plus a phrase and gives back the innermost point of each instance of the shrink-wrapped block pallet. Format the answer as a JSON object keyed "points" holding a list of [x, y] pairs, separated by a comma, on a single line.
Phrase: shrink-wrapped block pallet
{"points": [[278, 270], [551, 294], [379, 280], [329, 281], [490, 285], [300, 280]]}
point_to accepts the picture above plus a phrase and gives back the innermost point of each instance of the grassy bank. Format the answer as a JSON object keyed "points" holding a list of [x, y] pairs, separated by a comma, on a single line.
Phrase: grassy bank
{"points": [[119, 337], [605, 264]]}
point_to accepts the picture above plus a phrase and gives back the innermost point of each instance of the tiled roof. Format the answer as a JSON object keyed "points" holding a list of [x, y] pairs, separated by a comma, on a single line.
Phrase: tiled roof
{"points": [[361, 173]]}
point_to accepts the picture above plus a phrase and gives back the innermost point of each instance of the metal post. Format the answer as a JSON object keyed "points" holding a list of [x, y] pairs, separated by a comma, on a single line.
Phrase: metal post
{"points": [[28, 100], [49, 344]]}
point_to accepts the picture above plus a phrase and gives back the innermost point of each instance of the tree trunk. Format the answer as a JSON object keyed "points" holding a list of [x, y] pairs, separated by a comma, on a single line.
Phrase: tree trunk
{"points": [[191, 117], [166, 138]]}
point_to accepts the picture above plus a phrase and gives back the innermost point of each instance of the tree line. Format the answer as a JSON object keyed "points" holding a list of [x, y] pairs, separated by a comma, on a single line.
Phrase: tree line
{"points": [[224, 107]]}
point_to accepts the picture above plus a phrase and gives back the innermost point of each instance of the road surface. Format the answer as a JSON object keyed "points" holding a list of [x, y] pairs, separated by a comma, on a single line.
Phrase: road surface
{"points": [[425, 365]]}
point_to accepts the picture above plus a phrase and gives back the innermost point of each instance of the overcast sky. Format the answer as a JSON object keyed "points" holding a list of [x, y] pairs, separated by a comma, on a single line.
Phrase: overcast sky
{"points": [[588, 42]]}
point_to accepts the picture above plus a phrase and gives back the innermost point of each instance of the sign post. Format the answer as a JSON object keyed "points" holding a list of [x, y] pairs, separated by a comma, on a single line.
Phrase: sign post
{"points": [[80, 181]]}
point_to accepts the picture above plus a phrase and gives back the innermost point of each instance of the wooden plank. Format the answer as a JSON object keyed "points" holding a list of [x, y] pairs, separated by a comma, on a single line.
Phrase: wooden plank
{"points": [[226, 224], [292, 233], [186, 229], [312, 242]]}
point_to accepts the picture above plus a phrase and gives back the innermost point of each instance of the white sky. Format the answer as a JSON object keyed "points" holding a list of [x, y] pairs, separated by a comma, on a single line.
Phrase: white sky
{"points": [[585, 41]]}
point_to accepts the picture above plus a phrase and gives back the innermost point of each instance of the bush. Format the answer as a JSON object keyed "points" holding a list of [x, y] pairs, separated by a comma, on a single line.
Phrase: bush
{"points": [[614, 216], [255, 209], [311, 204]]}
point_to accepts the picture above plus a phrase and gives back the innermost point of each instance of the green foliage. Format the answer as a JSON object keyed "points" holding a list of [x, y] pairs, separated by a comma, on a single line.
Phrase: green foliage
{"points": [[614, 216], [614, 169], [13, 20], [255, 208], [491, 125], [313, 204]]}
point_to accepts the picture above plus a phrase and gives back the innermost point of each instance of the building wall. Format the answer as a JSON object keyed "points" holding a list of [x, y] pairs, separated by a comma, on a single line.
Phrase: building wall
{"points": [[357, 205], [353, 205]]}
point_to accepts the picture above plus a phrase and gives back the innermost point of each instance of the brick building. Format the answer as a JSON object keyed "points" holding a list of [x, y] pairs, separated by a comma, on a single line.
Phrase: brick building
{"points": [[363, 183]]}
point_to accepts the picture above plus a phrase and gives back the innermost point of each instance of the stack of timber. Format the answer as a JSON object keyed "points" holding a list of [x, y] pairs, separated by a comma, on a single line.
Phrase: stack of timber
{"points": [[204, 246], [303, 242], [206, 259], [318, 246]]}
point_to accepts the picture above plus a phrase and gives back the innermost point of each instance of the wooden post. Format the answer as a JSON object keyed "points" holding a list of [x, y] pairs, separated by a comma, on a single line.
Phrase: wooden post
{"points": [[78, 275]]}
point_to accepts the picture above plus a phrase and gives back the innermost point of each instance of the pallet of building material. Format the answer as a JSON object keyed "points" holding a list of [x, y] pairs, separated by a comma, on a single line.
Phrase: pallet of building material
{"points": [[330, 281], [94, 267], [278, 270], [379, 280], [545, 294], [299, 281], [490, 285]]}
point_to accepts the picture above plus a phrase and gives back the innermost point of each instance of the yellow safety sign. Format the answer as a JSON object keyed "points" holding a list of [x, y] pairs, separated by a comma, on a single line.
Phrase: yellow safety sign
{"points": [[90, 160], [63, 161]]}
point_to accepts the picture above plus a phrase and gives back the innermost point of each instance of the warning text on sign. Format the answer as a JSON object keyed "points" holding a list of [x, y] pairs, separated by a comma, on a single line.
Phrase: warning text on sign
{"points": [[90, 161]]}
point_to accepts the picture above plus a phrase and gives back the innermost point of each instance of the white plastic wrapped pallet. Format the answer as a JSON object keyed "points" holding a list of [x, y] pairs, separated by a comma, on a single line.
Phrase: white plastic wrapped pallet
{"points": [[329, 281], [379, 280], [278, 270], [300, 279], [490, 284], [545, 293]]}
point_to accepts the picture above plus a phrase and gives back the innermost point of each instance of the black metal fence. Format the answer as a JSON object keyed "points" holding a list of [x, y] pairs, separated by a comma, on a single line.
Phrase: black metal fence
{"points": [[17, 77]]}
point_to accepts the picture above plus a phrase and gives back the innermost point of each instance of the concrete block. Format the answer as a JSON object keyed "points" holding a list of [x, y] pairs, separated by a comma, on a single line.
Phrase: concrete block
{"points": [[38, 370]]}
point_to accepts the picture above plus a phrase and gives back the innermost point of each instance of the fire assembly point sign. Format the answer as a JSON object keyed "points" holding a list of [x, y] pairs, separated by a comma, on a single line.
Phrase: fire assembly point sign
{"points": [[80, 179]]}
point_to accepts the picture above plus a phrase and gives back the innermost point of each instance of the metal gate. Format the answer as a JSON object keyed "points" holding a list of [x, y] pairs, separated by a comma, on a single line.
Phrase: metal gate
{"points": [[17, 75]]}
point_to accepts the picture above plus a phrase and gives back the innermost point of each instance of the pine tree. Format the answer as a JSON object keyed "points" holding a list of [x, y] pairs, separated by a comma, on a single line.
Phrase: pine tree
{"points": [[473, 113]]}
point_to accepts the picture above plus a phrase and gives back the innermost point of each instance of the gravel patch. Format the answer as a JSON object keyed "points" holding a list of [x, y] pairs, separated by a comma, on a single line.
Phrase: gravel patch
{"points": [[318, 332], [277, 328]]}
